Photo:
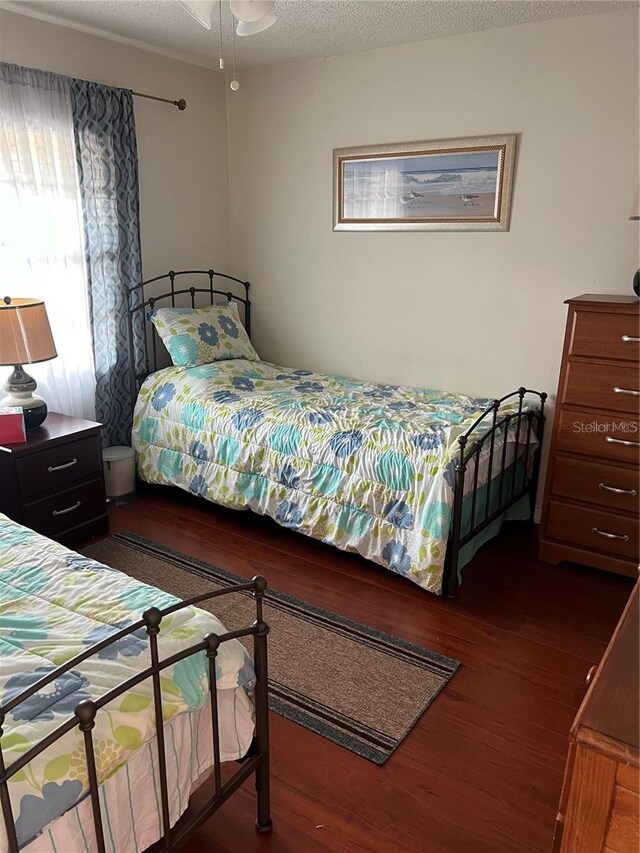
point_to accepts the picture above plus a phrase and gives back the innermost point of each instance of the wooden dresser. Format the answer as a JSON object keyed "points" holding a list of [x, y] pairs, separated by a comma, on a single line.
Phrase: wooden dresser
{"points": [[599, 804], [590, 512], [53, 482]]}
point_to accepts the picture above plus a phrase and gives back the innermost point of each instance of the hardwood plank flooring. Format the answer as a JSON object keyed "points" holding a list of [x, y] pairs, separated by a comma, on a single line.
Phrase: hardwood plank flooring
{"points": [[481, 772]]}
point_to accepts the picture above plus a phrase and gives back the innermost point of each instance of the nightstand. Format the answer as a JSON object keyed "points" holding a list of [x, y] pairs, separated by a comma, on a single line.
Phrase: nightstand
{"points": [[53, 483]]}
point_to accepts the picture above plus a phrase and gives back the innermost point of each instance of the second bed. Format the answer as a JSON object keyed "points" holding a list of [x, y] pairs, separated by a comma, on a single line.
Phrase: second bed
{"points": [[412, 479]]}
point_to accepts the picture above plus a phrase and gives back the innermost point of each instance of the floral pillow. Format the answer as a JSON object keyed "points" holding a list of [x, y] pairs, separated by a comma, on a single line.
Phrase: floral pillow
{"points": [[202, 335]]}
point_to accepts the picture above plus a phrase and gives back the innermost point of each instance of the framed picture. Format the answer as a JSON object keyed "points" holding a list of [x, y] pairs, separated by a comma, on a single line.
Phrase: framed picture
{"points": [[447, 185]]}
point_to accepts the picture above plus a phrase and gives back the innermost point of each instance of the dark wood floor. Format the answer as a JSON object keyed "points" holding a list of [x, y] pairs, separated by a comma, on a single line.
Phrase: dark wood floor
{"points": [[481, 772]]}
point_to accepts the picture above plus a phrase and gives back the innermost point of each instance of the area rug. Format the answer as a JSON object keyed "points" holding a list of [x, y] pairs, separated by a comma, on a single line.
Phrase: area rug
{"points": [[356, 686]]}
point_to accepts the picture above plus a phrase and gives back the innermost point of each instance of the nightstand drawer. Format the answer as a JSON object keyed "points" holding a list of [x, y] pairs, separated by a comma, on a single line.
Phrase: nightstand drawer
{"points": [[69, 508], [604, 335], [606, 435], [610, 486], [593, 530], [615, 387], [57, 467]]}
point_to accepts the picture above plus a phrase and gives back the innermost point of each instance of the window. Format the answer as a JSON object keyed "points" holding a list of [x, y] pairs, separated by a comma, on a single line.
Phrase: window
{"points": [[41, 236]]}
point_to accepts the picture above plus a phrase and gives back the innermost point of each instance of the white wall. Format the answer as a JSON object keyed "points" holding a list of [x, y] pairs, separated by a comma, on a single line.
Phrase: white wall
{"points": [[471, 312], [183, 164]]}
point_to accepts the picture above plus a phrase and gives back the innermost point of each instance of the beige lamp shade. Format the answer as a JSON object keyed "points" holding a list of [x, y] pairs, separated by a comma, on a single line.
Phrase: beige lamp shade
{"points": [[25, 334], [635, 210]]}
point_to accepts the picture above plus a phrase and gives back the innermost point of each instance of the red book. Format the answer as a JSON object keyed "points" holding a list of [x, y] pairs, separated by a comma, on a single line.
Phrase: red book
{"points": [[12, 429]]}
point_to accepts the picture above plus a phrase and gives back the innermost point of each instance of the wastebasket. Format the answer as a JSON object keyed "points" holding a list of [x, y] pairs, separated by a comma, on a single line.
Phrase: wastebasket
{"points": [[119, 473]]}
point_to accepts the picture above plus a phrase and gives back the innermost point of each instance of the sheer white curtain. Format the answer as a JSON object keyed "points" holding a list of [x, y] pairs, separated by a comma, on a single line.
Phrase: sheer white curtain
{"points": [[41, 237]]}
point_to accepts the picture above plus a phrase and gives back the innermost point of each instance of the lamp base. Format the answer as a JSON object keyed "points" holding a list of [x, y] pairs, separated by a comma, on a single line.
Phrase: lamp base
{"points": [[20, 387]]}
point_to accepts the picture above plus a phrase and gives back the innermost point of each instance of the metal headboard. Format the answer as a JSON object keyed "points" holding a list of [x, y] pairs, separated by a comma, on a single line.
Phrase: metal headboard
{"points": [[139, 306]]}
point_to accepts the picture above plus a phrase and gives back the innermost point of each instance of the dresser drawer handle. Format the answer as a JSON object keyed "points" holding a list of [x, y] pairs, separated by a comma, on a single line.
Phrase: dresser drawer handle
{"points": [[53, 468], [630, 339], [622, 441], [606, 535], [590, 674], [630, 391], [631, 492], [75, 506]]}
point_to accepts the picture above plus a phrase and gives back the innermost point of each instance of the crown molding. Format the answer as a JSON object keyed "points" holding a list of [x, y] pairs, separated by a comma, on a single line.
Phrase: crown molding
{"points": [[18, 9]]}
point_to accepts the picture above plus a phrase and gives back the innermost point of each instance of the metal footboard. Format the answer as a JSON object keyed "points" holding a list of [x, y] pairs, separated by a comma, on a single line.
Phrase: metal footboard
{"points": [[493, 424], [257, 761]]}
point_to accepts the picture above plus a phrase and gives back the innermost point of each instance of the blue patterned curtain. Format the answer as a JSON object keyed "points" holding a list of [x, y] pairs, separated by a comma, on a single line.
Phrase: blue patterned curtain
{"points": [[107, 159]]}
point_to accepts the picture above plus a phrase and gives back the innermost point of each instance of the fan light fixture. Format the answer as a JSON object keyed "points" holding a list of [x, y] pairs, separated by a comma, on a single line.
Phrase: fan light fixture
{"points": [[251, 10], [246, 28]]}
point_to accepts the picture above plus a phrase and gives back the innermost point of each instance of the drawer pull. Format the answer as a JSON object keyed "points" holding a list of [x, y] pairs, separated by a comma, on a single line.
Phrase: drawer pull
{"points": [[630, 339], [53, 468], [75, 506], [630, 391], [606, 535], [590, 674], [622, 441], [631, 492]]}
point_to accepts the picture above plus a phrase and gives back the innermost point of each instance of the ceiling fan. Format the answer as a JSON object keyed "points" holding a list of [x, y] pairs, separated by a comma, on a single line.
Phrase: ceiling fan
{"points": [[249, 17], [252, 16]]}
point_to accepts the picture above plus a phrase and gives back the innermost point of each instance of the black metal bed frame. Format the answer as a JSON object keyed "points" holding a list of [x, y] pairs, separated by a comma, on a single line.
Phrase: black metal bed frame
{"points": [[499, 422], [256, 761]]}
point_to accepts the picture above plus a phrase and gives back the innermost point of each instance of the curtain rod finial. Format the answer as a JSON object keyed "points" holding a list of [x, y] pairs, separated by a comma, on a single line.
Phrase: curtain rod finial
{"points": [[181, 104]]}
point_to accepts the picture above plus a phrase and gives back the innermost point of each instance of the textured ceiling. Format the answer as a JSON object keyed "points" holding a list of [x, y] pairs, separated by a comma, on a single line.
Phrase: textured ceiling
{"points": [[305, 28]]}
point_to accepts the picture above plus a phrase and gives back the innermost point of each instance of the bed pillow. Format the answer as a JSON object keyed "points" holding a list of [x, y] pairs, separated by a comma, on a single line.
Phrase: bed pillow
{"points": [[201, 335]]}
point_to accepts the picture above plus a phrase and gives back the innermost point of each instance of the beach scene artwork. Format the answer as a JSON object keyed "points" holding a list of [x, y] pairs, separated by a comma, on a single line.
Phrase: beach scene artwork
{"points": [[422, 186]]}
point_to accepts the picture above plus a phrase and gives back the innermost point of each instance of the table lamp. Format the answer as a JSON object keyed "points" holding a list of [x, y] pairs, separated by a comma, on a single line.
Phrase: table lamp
{"points": [[635, 215], [25, 338]]}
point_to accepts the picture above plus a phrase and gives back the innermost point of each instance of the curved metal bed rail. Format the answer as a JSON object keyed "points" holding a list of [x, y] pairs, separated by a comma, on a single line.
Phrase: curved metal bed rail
{"points": [[211, 273], [137, 314], [505, 480], [256, 761]]}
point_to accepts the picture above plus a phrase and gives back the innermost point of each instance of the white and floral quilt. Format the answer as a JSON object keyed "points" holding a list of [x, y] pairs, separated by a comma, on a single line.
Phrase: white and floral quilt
{"points": [[366, 467], [54, 604]]}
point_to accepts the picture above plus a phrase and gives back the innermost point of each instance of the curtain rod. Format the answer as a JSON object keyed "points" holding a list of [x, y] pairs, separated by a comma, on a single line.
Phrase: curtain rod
{"points": [[181, 104]]}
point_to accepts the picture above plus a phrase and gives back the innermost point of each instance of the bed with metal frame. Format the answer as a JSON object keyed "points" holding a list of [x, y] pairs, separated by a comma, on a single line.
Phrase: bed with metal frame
{"points": [[255, 762], [481, 438]]}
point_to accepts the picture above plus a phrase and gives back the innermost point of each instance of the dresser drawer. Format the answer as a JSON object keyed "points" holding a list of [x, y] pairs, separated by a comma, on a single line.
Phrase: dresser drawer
{"points": [[622, 832], [603, 483], [602, 335], [608, 436], [69, 508], [57, 467], [594, 530], [603, 386], [628, 777]]}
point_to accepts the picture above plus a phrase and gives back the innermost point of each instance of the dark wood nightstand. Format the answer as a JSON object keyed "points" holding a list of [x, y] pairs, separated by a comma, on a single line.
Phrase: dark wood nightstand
{"points": [[54, 483]]}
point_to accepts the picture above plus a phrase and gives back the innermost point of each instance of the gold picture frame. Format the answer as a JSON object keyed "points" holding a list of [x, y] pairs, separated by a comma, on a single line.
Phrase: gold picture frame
{"points": [[443, 185]]}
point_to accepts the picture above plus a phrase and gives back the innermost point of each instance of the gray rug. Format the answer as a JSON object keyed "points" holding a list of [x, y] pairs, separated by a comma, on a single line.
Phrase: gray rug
{"points": [[356, 686]]}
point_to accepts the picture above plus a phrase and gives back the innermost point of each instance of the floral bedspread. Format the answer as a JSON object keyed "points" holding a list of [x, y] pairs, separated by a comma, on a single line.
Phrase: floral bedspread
{"points": [[365, 467], [55, 603]]}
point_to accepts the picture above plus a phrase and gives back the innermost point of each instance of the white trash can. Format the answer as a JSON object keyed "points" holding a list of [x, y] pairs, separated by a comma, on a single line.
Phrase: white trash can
{"points": [[119, 473]]}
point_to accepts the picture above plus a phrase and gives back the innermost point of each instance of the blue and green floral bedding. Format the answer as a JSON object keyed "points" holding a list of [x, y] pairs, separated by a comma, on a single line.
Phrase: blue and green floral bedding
{"points": [[362, 466], [54, 604]]}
